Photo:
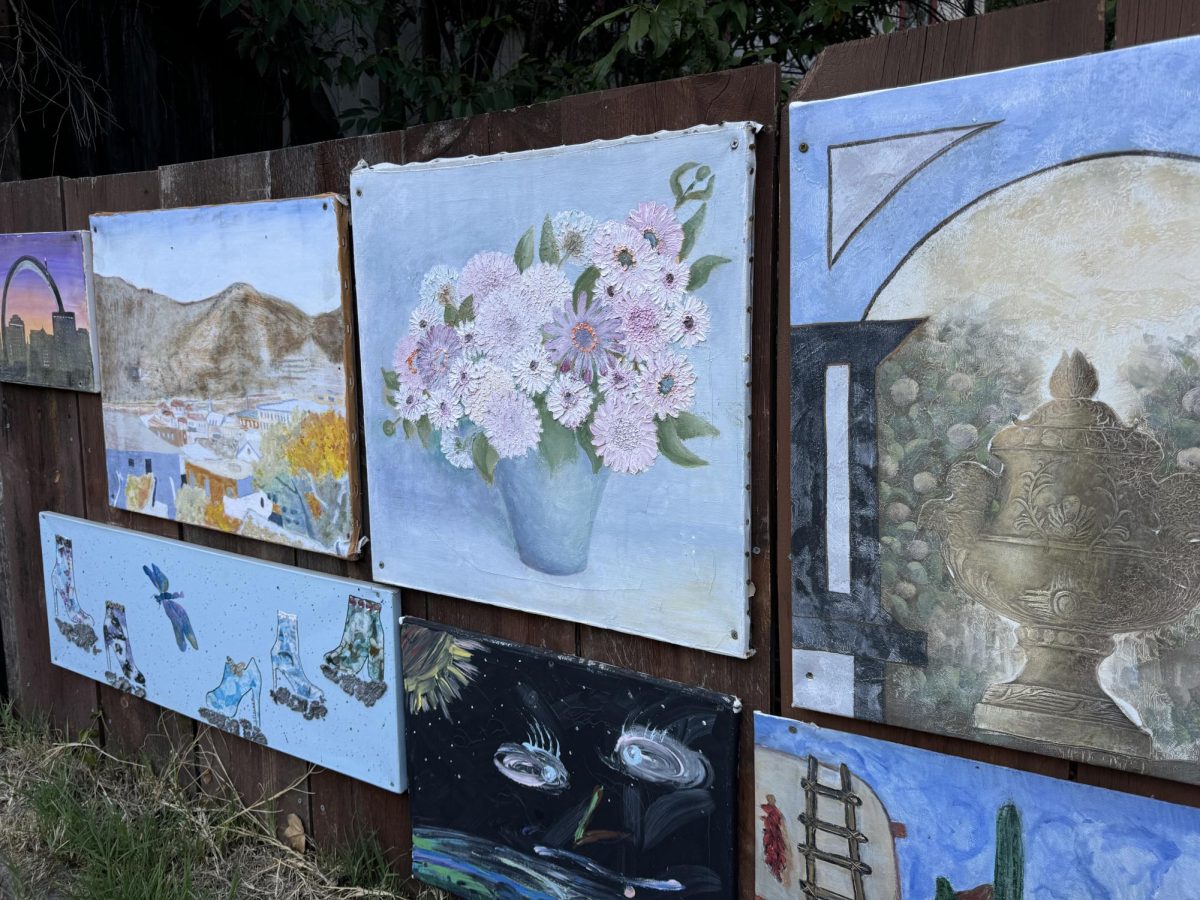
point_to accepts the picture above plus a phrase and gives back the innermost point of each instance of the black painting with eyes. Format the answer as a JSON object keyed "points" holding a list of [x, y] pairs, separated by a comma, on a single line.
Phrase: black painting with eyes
{"points": [[536, 774]]}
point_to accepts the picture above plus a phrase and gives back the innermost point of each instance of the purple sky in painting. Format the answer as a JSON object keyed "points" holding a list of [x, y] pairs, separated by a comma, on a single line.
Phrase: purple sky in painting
{"points": [[28, 295]]}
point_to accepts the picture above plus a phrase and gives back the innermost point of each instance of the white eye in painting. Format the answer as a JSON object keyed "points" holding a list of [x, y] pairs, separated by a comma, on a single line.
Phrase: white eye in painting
{"points": [[534, 763], [656, 757]]}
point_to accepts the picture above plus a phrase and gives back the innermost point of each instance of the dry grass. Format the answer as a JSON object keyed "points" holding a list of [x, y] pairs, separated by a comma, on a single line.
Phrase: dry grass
{"points": [[78, 822]]}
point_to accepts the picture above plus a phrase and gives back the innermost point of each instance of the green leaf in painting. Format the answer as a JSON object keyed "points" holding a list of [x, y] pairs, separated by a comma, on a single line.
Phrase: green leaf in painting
{"points": [[523, 255], [691, 230], [702, 268], [585, 283], [547, 246], [677, 183], [410, 430], [391, 380], [466, 309], [689, 425], [671, 446], [703, 194], [389, 427], [424, 430], [485, 457], [451, 315], [557, 445], [584, 433]]}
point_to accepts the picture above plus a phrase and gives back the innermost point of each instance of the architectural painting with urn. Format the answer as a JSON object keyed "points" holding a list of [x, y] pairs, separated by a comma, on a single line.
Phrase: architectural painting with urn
{"points": [[995, 369]]}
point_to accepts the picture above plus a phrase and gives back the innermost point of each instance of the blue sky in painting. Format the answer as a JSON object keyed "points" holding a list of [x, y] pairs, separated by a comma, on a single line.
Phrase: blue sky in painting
{"points": [[1050, 113], [1080, 841], [287, 248]]}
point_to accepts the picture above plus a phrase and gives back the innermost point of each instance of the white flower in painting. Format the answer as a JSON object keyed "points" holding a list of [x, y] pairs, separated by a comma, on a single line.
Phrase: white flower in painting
{"points": [[444, 409], [532, 369], [503, 326], [487, 382], [668, 385], [543, 288], [624, 435], [410, 401], [466, 334], [424, 317], [624, 258], [644, 322], [572, 233], [569, 400], [512, 424], [457, 444], [485, 274], [688, 321], [620, 379], [672, 280], [458, 380], [440, 286]]}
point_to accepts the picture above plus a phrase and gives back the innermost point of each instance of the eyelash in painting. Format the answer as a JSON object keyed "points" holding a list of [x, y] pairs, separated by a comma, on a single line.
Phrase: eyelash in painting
{"points": [[534, 763], [654, 756]]}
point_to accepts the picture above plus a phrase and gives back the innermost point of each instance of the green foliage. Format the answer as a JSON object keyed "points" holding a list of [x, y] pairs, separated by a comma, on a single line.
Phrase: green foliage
{"points": [[670, 443], [523, 255], [485, 457], [361, 863], [432, 60], [944, 891], [558, 444]]}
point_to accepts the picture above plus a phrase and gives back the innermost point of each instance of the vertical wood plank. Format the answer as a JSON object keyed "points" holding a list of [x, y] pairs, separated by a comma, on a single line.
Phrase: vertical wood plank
{"points": [[132, 726], [1144, 21], [40, 469]]}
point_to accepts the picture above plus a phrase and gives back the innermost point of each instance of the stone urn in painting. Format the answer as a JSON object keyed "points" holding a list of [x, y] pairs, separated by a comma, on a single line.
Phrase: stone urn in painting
{"points": [[1076, 541]]}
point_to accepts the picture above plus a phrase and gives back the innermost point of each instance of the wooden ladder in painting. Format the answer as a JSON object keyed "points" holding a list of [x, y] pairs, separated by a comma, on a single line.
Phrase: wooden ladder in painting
{"points": [[846, 830]]}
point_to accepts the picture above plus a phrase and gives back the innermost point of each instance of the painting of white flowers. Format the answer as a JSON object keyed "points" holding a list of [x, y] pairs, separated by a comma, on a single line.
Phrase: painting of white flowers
{"points": [[555, 350]]}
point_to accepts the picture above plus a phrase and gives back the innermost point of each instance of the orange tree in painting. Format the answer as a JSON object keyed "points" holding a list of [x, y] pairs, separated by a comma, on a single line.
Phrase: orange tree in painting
{"points": [[306, 461]]}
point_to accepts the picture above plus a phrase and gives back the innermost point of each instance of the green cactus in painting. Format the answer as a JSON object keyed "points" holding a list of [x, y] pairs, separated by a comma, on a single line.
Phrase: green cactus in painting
{"points": [[945, 891], [1009, 880]]}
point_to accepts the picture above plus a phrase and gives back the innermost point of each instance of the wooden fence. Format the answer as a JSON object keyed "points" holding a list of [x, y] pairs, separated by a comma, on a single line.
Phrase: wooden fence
{"points": [[52, 442]]}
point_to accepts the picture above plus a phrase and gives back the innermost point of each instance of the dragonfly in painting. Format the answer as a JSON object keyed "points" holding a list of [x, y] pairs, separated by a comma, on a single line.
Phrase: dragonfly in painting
{"points": [[176, 613]]}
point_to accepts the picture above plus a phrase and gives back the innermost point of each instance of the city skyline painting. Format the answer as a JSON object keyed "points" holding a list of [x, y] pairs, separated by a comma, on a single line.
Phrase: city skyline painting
{"points": [[556, 380], [295, 660], [48, 337], [227, 362], [846, 817], [995, 408]]}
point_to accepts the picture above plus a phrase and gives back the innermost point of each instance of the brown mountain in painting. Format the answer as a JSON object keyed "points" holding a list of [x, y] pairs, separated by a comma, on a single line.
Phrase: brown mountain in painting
{"points": [[234, 344]]}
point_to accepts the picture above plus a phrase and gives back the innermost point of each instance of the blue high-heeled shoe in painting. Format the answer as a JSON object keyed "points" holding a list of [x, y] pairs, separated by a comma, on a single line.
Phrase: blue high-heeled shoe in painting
{"points": [[239, 683]]}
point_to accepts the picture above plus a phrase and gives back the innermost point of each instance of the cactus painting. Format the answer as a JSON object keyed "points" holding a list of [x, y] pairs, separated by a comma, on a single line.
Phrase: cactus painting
{"points": [[869, 820]]}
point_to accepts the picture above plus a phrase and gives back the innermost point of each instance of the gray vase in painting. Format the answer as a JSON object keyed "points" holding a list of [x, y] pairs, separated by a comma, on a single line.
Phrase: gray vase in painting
{"points": [[551, 509], [1076, 540]]}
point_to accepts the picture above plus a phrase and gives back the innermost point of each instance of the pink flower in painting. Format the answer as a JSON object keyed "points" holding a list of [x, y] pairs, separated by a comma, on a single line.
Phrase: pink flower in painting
{"points": [[437, 351], [688, 322], [532, 369], [466, 334], [503, 326], [624, 258], [658, 227], [512, 424], [458, 379], [644, 321], [411, 402], [667, 385], [672, 280], [486, 273], [488, 381], [620, 379], [404, 361], [569, 400], [584, 340], [624, 435]]}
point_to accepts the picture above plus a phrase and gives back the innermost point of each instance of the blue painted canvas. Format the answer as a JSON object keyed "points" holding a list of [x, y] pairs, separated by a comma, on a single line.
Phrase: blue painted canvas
{"points": [[555, 358], [844, 817], [297, 661], [995, 370]]}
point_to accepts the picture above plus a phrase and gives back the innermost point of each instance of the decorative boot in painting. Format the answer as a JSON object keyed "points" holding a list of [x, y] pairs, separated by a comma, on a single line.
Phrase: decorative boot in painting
{"points": [[77, 627], [239, 682], [362, 645], [123, 673], [298, 693]]}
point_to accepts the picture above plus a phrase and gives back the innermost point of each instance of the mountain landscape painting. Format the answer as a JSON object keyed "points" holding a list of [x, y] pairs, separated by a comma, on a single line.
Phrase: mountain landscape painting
{"points": [[225, 363], [47, 333]]}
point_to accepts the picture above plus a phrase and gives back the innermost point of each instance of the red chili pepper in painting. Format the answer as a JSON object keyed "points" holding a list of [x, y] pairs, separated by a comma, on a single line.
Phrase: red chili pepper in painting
{"points": [[774, 844]]}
